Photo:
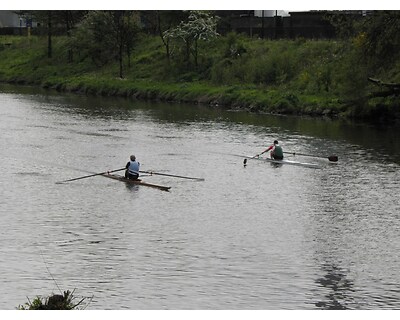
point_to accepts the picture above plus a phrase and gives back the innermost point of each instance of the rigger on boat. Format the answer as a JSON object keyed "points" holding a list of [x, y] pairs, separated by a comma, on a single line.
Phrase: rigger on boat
{"points": [[136, 182]]}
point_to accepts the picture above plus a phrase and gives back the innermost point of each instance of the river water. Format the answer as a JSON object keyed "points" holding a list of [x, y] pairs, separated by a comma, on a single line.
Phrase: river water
{"points": [[256, 237]]}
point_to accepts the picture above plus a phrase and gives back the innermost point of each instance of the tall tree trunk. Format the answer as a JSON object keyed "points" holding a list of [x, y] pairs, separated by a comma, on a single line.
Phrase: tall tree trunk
{"points": [[49, 45], [187, 52], [121, 75], [68, 19], [128, 43], [195, 53], [121, 41], [165, 41]]}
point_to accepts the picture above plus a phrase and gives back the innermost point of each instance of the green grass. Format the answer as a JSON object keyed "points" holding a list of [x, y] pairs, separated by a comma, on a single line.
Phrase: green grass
{"points": [[285, 76]]}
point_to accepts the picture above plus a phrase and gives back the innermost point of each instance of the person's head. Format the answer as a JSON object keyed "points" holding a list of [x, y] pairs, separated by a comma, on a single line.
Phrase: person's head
{"points": [[133, 158], [276, 142]]}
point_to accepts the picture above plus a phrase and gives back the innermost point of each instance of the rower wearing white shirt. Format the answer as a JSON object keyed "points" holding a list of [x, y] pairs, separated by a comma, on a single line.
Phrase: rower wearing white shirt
{"points": [[132, 169]]}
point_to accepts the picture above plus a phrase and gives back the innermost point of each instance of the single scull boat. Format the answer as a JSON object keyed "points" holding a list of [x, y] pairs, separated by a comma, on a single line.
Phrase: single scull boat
{"points": [[138, 182], [284, 161]]}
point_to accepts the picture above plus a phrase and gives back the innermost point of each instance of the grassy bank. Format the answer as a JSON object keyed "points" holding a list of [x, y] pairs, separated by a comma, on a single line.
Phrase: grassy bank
{"points": [[289, 77]]}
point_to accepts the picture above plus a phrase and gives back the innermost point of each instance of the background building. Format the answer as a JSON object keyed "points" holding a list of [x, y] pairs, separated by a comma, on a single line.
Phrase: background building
{"points": [[13, 23]]}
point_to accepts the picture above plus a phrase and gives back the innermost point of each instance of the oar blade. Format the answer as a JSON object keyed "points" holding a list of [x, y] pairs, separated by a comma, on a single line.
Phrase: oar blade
{"points": [[332, 158], [253, 157]]}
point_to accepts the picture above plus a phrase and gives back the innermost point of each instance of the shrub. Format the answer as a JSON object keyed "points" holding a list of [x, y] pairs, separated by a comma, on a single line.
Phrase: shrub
{"points": [[53, 302]]}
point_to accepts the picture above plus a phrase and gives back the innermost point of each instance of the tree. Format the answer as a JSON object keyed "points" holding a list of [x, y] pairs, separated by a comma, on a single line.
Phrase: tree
{"points": [[106, 36], [158, 21], [65, 20], [377, 33], [371, 47], [45, 18], [71, 19], [381, 31], [166, 20], [345, 23], [200, 26]]}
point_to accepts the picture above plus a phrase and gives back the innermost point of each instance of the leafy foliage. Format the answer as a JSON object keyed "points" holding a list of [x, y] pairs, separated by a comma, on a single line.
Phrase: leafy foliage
{"points": [[160, 21], [53, 302], [235, 69], [372, 48], [381, 36], [200, 26], [104, 36]]}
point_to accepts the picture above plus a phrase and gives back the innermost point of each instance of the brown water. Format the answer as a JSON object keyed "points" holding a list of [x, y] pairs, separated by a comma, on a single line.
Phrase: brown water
{"points": [[260, 237]]}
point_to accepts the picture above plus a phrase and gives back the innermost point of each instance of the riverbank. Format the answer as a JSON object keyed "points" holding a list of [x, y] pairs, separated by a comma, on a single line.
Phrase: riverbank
{"points": [[248, 98], [313, 88]]}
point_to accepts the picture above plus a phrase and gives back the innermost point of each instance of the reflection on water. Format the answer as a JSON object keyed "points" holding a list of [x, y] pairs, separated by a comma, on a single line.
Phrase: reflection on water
{"points": [[339, 288], [255, 237]]}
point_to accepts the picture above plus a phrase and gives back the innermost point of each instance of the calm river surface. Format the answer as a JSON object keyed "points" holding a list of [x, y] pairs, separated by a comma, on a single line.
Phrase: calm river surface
{"points": [[261, 237]]}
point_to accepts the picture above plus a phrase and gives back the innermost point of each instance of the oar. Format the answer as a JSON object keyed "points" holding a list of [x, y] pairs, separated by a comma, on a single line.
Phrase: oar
{"points": [[245, 160], [91, 175], [171, 175], [332, 158]]}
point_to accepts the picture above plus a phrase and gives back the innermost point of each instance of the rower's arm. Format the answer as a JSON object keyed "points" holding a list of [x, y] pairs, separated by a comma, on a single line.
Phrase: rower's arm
{"points": [[269, 148]]}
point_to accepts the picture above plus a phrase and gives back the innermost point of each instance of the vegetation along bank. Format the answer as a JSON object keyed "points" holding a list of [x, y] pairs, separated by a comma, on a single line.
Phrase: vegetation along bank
{"points": [[180, 56]]}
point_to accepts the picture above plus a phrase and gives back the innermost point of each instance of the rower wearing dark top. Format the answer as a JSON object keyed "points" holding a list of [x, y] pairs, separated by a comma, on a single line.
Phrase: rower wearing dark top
{"points": [[276, 151]]}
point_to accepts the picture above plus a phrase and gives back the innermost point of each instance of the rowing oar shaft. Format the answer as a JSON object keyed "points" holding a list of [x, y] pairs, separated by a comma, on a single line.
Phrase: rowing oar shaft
{"points": [[171, 175], [245, 160], [91, 175], [332, 158]]}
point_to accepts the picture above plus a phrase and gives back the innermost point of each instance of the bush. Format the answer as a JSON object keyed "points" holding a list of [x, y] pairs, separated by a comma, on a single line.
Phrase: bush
{"points": [[53, 302]]}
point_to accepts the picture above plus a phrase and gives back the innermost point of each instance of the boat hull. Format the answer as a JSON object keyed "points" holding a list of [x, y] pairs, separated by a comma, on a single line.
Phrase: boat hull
{"points": [[136, 182], [291, 162]]}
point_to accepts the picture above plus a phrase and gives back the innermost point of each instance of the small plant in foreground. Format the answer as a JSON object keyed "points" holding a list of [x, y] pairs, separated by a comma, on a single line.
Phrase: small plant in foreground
{"points": [[54, 302]]}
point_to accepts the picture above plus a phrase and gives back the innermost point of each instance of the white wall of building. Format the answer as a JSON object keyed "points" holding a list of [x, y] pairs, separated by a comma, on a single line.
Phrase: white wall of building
{"points": [[271, 13], [8, 19]]}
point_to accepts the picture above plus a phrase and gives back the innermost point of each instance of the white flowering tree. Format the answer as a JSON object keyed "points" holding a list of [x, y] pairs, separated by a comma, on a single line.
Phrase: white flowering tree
{"points": [[200, 26]]}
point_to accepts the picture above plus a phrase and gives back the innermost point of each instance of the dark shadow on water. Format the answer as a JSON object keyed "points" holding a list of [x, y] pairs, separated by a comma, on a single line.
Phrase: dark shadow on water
{"points": [[338, 288], [132, 187], [276, 165]]}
